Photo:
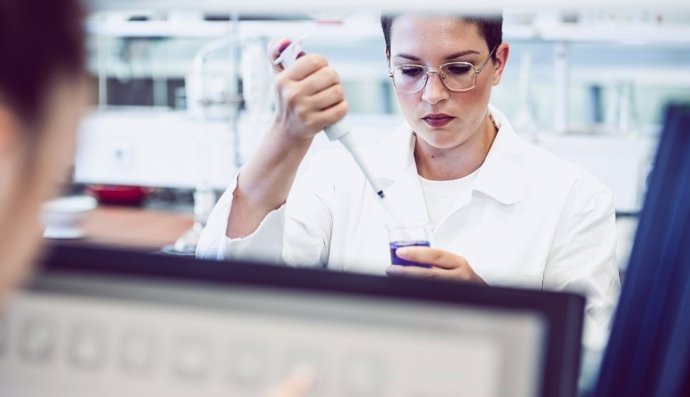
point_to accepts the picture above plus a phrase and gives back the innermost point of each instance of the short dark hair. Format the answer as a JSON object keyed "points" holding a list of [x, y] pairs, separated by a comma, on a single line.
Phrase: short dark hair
{"points": [[40, 42], [490, 28]]}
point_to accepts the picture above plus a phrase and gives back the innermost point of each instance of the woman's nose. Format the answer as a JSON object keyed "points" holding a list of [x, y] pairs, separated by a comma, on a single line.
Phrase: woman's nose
{"points": [[434, 90]]}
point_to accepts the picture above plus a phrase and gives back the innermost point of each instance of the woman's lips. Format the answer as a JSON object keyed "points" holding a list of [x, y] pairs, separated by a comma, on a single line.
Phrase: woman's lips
{"points": [[437, 120]]}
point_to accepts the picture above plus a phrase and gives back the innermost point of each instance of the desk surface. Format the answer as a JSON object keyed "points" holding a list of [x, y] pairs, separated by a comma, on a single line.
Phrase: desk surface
{"points": [[138, 228]]}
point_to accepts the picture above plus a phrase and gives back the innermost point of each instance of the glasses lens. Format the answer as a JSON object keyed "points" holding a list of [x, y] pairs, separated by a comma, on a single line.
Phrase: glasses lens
{"points": [[458, 75], [409, 78]]}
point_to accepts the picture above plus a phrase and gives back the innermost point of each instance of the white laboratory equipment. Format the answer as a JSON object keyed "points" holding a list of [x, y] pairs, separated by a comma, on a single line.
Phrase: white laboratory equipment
{"points": [[220, 97]]}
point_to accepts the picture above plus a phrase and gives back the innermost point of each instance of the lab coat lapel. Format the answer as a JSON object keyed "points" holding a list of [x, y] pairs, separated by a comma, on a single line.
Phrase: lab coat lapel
{"points": [[406, 198], [397, 174], [501, 177]]}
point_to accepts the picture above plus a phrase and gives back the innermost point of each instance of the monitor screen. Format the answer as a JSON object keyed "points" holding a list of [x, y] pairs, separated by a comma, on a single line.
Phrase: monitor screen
{"points": [[112, 323]]}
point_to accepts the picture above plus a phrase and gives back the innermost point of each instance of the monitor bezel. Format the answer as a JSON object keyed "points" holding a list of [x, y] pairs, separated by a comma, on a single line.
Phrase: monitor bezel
{"points": [[561, 311]]}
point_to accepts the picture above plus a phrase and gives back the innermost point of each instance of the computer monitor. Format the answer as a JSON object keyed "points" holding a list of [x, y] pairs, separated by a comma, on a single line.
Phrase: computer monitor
{"points": [[648, 353], [106, 322]]}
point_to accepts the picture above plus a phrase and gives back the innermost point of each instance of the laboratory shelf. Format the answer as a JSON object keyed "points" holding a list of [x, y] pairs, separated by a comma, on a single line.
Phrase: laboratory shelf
{"points": [[354, 30]]}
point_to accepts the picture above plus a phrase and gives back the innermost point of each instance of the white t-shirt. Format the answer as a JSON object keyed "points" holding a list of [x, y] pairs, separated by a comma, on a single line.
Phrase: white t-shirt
{"points": [[440, 196]]}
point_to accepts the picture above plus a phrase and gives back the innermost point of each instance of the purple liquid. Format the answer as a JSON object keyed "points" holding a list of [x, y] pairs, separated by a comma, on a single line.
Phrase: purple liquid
{"points": [[403, 262]]}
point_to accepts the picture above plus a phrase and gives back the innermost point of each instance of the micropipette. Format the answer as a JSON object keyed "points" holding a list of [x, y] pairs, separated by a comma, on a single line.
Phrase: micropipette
{"points": [[289, 54], [338, 131]]}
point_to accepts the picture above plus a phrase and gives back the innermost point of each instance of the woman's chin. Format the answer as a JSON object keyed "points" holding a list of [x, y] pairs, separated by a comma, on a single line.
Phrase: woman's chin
{"points": [[440, 139]]}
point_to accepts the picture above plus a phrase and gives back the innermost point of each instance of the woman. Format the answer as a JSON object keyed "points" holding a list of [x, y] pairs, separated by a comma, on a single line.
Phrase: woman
{"points": [[502, 211]]}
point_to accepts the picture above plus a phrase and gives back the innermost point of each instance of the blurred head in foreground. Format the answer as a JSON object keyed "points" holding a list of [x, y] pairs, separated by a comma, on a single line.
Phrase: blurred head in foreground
{"points": [[42, 95]]}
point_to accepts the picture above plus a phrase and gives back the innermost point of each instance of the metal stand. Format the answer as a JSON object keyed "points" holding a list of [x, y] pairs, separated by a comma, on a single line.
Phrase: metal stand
{"points": [[204, 196]]}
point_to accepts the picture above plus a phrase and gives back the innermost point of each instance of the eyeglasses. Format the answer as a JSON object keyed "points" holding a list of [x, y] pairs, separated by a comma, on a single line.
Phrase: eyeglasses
{"points": [[456, 76]]}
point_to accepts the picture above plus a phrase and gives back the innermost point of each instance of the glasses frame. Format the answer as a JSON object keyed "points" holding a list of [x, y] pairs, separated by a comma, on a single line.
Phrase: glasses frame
{"points": [[437, 70]]}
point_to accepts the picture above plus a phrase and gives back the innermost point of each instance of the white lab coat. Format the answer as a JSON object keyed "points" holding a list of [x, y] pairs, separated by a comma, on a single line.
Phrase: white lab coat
{"points": [[527, 219]]}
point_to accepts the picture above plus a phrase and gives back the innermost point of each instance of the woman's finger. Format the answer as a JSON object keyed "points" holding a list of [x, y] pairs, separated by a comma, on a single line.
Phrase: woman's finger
{"points": [[411, 271], [431, 256], [297, 385]]}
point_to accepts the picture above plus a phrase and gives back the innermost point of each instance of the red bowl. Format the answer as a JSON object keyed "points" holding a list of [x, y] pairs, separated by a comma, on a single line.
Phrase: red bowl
{"points": [[118, 195]]}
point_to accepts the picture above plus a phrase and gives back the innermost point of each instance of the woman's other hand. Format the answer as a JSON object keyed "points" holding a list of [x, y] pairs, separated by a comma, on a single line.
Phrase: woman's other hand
{"points": [[444, 265], [297, 385]]}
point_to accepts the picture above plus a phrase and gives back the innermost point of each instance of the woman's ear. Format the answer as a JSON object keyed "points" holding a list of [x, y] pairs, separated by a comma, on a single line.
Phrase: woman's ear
{"points": [[9, 130], [501, 57]]}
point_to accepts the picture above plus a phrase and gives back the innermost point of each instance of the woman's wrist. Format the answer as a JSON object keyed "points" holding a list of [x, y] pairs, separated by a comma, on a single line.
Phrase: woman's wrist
{"points": [[281, 131]]}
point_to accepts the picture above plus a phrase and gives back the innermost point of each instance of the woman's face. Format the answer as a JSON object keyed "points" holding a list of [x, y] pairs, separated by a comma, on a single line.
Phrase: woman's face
{"points": [[32, 171], [441, 118]]}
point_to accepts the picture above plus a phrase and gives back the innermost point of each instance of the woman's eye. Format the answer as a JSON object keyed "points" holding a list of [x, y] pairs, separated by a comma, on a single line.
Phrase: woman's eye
{"points": [[410, 71], [458, 69]]}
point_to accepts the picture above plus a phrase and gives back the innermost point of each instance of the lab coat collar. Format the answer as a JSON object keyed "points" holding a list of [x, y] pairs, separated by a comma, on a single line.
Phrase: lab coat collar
{"points": [[395, 156], [396, 173], [501, 176]]}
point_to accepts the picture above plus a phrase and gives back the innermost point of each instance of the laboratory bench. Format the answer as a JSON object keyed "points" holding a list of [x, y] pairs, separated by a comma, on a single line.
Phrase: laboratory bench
{"points": [[137, 228]]}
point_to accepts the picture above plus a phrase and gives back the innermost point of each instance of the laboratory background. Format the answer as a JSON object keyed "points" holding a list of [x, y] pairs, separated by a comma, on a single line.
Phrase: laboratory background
{"points": [[181, 98], [181, 94]]}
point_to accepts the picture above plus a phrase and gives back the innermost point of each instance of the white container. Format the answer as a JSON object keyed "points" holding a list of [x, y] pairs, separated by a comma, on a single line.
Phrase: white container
{"points": [[63, 217]]}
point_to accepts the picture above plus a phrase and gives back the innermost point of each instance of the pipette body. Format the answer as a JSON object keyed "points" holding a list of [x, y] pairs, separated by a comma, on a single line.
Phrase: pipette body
{"points": [[338, 131]]}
